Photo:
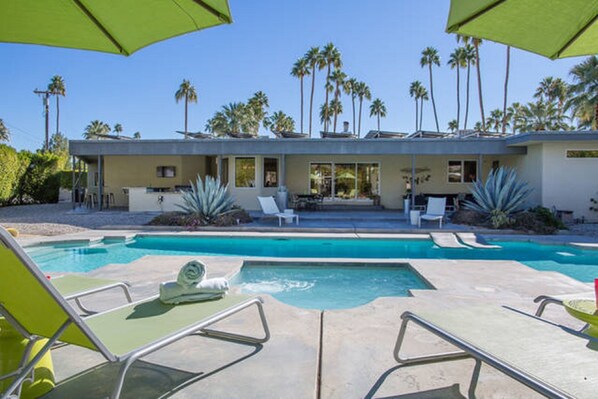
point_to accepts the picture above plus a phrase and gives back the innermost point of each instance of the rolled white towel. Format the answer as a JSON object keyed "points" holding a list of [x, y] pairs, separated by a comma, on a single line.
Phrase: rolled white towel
{"points": [[172, 289], [191, 273]]}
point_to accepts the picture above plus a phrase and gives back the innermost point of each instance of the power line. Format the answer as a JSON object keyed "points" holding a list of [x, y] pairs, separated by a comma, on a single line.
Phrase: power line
{"points": [[32, 136]]}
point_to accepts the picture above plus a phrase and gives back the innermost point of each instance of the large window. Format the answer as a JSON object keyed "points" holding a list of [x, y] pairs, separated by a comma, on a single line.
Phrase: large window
{"points": [[270, 172], [345, 181], [244, 172], [582, 153], [165, 171], [462, 171]]}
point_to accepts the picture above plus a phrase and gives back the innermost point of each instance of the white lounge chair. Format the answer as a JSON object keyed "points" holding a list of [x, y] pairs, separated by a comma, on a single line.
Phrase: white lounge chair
{"points": [[270, 208], [434, 210]]}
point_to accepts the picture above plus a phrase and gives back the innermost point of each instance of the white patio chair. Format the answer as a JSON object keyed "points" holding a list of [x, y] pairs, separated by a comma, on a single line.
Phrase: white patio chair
{"points": [[434, 211], [269, 208]]}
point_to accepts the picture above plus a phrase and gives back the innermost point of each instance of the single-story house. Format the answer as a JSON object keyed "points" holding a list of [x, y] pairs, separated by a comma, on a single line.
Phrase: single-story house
{"points": [[145, 175]]}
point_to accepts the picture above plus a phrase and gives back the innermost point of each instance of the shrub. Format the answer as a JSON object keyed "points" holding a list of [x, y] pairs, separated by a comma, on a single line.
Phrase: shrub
{"points": [[9, 167], [501, 196], [532, 221], [548, 218], [466, 216], [41, 180], [208, 201], [192, 220]]}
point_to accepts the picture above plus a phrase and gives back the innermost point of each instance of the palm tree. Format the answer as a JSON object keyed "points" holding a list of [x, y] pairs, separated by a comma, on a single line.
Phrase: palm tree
{"points": [[516, 117], [4, 132], [338, 77], [363, 92], [186, 91], [430, 57], [325, 114], [301, 70], [96, 129], [478, 126], [458, 60], [137, 135], [279, 122], [57, 88], [413, 92], [118, 128], [543, 115], [504, 104], [336, 107], [314, 60], [350, 87], [332, 58], [423, 96], [476, 46], [453, 126], [584, 103], [378, 109], [256, 110], [495, 120], [471, 60]]}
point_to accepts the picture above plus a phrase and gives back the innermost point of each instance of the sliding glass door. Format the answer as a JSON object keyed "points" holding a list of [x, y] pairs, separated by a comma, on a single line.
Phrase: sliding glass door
{"points": [[345, 181], [320, 179]]}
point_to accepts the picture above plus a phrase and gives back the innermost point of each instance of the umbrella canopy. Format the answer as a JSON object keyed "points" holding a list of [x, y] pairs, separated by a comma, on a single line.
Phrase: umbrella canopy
{"points": [[552, 28], [112, 26]]}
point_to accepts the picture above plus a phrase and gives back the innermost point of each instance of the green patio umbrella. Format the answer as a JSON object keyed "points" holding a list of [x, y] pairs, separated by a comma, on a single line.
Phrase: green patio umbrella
{"points": [[112, 26], [552, 28]]}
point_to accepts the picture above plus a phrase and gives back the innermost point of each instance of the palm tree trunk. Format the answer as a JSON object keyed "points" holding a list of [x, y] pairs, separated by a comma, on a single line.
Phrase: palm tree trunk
{"points": [[467, 96], [458, 100], [57, 114], [353, 106], [311, 98], [477, 65], [421, 112], [416, 113], [326, 102], [301, 79], [432, 95], [186, 103], [504, 104], [378, 122], [360, 104]]}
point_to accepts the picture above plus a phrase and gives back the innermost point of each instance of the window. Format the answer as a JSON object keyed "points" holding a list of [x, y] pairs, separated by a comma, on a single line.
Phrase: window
{"points": [[351, 180], [368, 178], [582, 153], [462, 171], [320, 179], [244, 172], [270, 172], [165, 171]]}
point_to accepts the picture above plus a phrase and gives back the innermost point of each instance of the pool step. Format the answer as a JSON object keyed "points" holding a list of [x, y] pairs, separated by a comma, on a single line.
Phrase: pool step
{"points": [[446, 240], [472, 240]]}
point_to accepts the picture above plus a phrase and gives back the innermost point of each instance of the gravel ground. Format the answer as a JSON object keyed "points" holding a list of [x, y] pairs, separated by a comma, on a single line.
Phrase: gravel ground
{"points": [[56, 219]]}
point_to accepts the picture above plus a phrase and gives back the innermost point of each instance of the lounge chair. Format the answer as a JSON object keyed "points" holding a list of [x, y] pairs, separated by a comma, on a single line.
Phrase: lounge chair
{"points": [[550, 359], [35, 308], [545, 300], [434, 211], [269, 208]]}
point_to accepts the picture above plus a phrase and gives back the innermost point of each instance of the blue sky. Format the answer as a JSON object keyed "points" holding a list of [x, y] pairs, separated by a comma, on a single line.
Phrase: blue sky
{"points": [[380, 42]]}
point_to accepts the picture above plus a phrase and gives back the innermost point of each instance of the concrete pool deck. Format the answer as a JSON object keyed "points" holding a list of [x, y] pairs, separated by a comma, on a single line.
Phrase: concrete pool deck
{"points": [[313, 354]]}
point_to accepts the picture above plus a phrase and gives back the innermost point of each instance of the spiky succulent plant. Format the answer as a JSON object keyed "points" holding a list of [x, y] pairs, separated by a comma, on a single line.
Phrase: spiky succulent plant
{"points": [[502, 195], [208, 199]]}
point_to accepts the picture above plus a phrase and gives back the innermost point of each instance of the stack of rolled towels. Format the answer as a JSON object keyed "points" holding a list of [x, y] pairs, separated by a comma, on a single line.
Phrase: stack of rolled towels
{"points": [[191, 285]]}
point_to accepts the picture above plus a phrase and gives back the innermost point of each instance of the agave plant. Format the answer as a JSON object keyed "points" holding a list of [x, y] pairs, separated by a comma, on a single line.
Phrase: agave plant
{"points": [[502, 195], [208, 200]]}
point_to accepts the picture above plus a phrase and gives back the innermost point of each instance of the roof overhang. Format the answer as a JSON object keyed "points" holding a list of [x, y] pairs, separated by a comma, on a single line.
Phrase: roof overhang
{"points": [[531, 138], [92, 148]]}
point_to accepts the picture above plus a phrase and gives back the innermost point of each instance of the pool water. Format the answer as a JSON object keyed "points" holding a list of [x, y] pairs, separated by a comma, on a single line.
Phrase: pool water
{"points": [[328, 286], [577, 263]]}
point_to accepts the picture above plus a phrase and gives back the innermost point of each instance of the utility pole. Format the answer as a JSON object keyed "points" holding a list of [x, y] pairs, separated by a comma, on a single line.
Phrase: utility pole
{"points": [[46, 97]]}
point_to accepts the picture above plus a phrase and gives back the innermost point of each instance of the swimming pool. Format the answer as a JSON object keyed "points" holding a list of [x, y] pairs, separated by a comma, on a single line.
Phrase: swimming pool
{"points": [[577, 263], [327, 285]]}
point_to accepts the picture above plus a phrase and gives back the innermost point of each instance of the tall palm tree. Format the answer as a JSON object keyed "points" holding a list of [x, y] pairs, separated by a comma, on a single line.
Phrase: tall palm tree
{"points": [[423, 96], [4, 132], [336, 107], [413, 92], [471, 60], [429, 58], [363, 92], [118, 129], [458, 60], [279, 122], [453, 126], [350, 88], [57, 88], [504, 104], [301, 70], [314, 60], [476, 46], [186, 91], [584, 102], [338, 77], [96, 129], [332, 58], [378, 109], [325, 114]]}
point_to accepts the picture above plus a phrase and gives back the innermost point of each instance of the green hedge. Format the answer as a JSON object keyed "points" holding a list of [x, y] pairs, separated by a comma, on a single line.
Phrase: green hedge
{"points": [[10, 165]]}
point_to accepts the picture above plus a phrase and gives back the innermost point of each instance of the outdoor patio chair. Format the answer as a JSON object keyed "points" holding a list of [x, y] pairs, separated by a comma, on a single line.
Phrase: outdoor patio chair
{"points": [[35, 308], [550, 359], [545, 300], [270, 209], [434, 211]]}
